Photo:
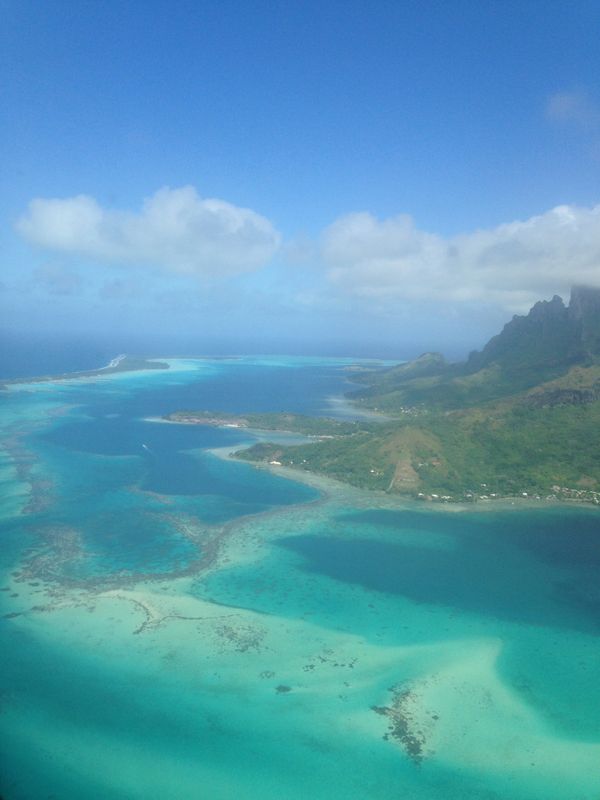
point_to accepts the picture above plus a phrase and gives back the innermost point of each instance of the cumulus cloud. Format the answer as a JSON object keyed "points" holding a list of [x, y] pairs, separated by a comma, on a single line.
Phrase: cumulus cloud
{"points": [[511, 265], [176, 229]]}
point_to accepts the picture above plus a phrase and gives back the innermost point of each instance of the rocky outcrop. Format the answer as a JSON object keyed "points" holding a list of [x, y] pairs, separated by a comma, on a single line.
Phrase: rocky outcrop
{"points": [[584, 312], [562, 397], [550, 335]]}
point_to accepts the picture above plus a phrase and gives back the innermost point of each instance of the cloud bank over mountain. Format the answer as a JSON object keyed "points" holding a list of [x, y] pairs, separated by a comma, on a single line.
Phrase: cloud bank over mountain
{"points": [[511, 265], [176, 229]]}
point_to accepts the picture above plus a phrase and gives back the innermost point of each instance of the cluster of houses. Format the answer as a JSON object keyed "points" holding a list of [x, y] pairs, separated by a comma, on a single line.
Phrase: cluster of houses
{"points": [[557, 493], [436, 498], [584, 495]]}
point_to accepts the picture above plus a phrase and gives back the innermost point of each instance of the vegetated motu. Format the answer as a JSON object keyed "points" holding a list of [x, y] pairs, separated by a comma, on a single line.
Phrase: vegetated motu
{"points": [[520, 417]]}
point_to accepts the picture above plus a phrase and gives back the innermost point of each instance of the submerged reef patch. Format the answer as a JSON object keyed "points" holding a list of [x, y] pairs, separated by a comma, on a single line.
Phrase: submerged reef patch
{"points": [[406, 725]]}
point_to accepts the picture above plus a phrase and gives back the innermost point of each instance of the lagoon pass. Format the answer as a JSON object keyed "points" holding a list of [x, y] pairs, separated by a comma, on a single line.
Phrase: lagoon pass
{"points": [[176, 624]]}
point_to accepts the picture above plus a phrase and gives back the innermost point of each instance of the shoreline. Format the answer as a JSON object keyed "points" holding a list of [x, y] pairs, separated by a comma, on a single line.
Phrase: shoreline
{"points": [[116, 366], [113, 365], [331, 487], [323, 482], [554, 496], [319, 481], [114, 362]]}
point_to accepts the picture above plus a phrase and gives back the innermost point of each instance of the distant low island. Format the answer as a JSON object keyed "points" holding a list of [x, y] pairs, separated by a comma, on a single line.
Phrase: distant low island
{"points": [[121, 363], [520, 418]]}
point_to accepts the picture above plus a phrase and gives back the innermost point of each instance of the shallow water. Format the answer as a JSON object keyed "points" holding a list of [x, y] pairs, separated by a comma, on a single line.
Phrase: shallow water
{"points": [[176, 625]]}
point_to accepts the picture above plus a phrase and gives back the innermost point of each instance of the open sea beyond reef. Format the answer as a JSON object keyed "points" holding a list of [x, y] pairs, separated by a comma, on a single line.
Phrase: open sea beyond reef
{"points": [[178, 625]]}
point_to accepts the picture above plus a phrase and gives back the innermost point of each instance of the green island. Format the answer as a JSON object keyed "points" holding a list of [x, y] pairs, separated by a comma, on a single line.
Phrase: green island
{"points": [[322, 427], [520, 418]]}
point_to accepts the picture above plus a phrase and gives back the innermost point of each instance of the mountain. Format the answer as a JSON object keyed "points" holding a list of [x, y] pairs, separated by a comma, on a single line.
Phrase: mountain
{"points": [[520, 417], [548, 337], [551, 335], [541, 346], [584, 310]]}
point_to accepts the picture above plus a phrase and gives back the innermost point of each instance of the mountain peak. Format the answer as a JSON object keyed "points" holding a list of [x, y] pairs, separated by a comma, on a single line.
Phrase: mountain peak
{"points": [[544, 338], [584, 311], [550, 336], [530, 350], [547, 308], [585, 300]]}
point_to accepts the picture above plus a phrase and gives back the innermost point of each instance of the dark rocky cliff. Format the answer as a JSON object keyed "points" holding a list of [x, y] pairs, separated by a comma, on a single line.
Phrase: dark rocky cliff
{"points": [[550, 335]]}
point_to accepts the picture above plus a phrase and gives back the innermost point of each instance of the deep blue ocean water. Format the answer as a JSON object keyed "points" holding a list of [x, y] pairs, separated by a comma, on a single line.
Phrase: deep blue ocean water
{"points": [[30, 355], [176, 625]]}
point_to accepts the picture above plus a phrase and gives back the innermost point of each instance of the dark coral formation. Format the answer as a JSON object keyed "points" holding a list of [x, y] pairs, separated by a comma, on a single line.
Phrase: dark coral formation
{"points": [[403, 727]]}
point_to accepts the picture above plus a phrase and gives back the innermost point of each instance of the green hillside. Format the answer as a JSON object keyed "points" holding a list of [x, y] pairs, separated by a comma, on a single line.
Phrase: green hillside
{"points": [[533, 443], [532, 349], [521, 417]]}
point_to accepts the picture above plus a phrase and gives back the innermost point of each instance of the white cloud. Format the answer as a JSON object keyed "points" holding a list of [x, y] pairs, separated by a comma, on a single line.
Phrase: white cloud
{"points": [[176, 229], [511, 265]]}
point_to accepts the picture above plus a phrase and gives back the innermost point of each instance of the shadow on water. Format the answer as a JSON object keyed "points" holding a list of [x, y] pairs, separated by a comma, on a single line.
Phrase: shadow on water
{"points": [[527, 568], [553, 535]]}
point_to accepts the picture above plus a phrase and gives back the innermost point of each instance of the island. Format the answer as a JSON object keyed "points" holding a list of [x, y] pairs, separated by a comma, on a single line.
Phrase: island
{"points": [[121, 363], [320, 427], [520, 418]]}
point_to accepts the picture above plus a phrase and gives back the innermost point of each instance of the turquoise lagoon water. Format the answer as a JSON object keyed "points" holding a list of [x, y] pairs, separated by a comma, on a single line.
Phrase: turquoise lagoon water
{"points": [[175, 625]]}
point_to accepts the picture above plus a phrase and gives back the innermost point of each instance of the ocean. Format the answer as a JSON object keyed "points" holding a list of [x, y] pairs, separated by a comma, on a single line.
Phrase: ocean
{"points": [[177, 624]]}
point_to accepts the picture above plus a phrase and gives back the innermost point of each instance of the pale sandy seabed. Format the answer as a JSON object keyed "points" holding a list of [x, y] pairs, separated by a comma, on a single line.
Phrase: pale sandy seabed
{"points": [[298, 687]]}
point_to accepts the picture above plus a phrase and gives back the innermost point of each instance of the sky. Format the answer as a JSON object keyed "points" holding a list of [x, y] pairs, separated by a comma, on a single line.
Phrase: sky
{"points": [[359, 178]]}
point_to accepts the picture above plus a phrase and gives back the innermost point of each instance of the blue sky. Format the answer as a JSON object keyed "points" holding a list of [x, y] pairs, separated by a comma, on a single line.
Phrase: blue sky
{"points": [[359, 177]]}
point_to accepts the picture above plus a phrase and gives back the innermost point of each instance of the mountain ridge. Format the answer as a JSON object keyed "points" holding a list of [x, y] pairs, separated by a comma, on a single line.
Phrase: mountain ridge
{"points": [[531, 349], [520, 418]]}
